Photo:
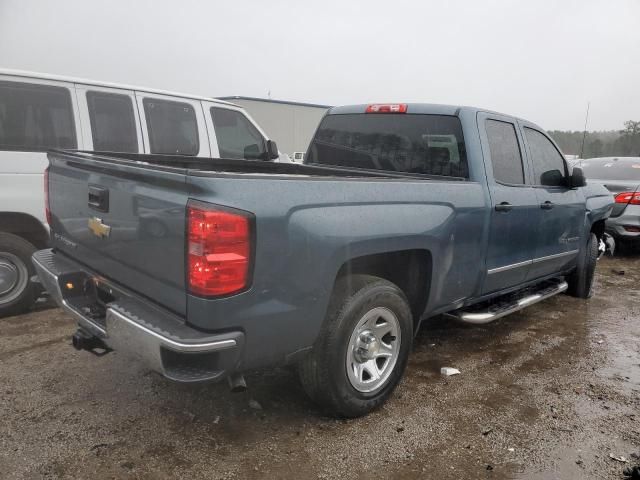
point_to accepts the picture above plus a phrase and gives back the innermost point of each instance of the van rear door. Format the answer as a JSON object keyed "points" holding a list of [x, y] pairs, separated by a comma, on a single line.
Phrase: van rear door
{"points": [[37, 114]]}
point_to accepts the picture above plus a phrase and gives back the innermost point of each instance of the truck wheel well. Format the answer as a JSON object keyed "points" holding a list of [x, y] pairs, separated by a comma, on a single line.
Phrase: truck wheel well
{"points": [[598, 228], [410, 270], [25, 226]]}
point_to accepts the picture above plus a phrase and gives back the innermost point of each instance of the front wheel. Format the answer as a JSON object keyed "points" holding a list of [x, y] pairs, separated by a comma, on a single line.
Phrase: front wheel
{"points": [[362, 349], [581, 279]]}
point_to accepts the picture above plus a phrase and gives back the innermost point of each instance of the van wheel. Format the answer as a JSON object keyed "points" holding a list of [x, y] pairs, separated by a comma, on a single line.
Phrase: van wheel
{"points": [[363, 347], [581, 279], [16, 290]]}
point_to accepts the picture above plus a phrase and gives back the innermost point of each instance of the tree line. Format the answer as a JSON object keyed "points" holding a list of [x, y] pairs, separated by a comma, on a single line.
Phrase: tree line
{"points": [[612, 143]]}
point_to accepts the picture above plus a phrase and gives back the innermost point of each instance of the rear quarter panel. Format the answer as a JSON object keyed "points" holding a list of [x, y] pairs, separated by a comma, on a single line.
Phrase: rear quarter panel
{"points": [[306, 229]]}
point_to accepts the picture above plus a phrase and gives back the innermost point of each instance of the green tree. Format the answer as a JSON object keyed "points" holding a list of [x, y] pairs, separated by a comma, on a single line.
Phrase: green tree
{"points": [[631, 128]]}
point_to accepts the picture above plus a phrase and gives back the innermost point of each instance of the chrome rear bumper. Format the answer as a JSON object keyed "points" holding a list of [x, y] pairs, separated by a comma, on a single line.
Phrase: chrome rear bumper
{"points": [[127, 323]]}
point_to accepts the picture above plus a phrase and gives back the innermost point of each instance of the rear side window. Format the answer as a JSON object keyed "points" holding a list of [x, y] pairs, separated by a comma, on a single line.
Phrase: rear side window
{"points": [[35, 117], [548, 163], [423, 144], [237, 137], [172, 126], [506, 158], [113, 124]]}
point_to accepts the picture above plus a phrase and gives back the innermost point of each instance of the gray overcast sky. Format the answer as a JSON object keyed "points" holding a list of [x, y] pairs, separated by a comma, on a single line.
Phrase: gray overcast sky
{"points": [[539, 59]]}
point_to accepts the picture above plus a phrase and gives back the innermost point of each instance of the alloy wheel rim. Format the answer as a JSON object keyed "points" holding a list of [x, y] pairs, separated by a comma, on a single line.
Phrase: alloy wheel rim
{"points": [[14, 277], [373, 350]]}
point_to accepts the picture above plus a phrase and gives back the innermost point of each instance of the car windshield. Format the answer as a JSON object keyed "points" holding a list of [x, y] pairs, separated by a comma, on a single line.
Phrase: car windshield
{"points": [[612, 169]]}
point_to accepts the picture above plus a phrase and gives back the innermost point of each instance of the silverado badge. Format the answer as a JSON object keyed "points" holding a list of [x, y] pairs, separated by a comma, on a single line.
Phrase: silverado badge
{"points": [[98, 228]]}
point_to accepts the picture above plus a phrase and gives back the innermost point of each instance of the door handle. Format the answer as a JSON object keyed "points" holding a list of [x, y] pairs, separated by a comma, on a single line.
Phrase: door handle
{"points": [[547, 205], [503, 207]]}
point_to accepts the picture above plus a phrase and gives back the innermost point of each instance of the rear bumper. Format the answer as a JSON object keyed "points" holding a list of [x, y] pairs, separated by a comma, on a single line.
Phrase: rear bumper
{"points": [[130, 324], [626, 225]]}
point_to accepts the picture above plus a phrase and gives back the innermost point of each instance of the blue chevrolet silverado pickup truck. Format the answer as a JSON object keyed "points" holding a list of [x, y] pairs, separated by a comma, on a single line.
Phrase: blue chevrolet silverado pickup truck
{"points": [[208, 268]]}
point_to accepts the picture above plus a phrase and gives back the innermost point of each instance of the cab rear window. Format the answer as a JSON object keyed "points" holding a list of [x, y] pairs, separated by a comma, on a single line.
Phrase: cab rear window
{"points": [[421, 144]]}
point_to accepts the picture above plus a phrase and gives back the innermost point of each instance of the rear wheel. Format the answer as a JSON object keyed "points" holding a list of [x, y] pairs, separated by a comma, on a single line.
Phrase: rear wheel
{"points": [[16, 290], [581, 280], [362, 349]]}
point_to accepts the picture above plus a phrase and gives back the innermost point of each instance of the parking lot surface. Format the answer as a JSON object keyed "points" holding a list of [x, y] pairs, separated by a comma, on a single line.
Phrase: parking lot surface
{"points": [[550, 392]]}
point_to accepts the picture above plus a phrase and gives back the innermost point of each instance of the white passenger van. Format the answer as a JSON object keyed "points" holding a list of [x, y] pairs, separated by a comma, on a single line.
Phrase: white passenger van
{"points": [[39, 112]]}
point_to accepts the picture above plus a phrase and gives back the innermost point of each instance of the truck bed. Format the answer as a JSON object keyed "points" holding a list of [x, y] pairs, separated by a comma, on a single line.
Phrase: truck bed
{"points": [[225, 165], [307, 217]]}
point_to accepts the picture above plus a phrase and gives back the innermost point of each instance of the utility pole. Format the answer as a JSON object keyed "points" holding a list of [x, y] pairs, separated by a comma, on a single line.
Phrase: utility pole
{"points": [[584, 133]]}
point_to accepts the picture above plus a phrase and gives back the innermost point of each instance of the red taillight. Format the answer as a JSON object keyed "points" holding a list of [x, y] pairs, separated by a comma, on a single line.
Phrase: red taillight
{"points": [[219, 250], [386, 108], [628, 198], [47, 210]]}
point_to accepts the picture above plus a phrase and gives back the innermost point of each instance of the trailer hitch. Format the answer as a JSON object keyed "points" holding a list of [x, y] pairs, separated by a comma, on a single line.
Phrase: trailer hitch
{"points": [[82, 340]]}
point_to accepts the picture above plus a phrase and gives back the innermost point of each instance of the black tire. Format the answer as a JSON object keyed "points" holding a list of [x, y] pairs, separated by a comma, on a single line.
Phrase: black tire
{"points": [[323, 373], [18, 292], [581, 279]]}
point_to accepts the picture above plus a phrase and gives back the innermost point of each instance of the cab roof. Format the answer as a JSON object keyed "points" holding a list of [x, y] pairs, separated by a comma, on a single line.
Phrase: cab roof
{"points": [[418, 108], [97, 83], [429, 108]]}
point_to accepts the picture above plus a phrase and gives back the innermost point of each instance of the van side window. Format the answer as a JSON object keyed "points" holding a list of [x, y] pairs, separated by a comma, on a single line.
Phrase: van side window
{"points": [[237, 137], [172, 126], [35, 117], [506, 157], [548, 163], [113, 123]]}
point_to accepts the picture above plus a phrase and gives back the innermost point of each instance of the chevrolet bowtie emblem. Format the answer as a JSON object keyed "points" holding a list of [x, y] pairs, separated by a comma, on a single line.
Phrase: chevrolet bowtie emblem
{"points": [[98, 228]]}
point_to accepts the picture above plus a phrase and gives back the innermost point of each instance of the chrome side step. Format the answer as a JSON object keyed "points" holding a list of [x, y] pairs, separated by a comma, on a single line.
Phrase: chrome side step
{"points": [[489, 311]]}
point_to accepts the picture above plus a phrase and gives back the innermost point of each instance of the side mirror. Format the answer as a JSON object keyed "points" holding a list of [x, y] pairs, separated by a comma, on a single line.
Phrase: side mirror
{"points": [[553, 178], [577, 178], [272, 150]]}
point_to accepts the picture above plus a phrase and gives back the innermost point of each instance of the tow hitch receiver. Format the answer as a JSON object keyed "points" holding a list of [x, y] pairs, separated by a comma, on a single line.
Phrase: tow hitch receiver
{"points": [[82, 340]]}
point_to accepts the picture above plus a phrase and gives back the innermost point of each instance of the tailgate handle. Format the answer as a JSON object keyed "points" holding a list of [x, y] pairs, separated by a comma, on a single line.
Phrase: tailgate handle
{"points": [[98, 198]]}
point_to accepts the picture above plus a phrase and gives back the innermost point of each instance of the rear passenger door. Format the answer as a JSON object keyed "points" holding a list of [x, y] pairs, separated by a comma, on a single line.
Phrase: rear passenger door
{"points": [[172, 125], [109, 118], [513, 203], [561, 210]]}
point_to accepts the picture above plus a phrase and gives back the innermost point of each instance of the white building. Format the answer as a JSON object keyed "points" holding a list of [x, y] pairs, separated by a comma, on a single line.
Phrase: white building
{"points": [[290, 124]]}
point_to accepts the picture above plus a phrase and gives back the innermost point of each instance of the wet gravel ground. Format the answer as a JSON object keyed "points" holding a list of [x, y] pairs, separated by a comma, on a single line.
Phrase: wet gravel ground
{"points": [[550, 392]]}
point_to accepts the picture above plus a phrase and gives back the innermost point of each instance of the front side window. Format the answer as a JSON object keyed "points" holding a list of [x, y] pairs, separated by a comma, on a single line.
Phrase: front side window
{"points": [[113, 124], [35, 117], [548, 163], [506, 158], [411, 143], [172, 127], [237, 137]]}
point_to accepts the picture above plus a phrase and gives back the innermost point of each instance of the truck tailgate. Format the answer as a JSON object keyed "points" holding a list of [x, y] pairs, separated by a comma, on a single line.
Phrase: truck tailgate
{"points": [[126, 222]]}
